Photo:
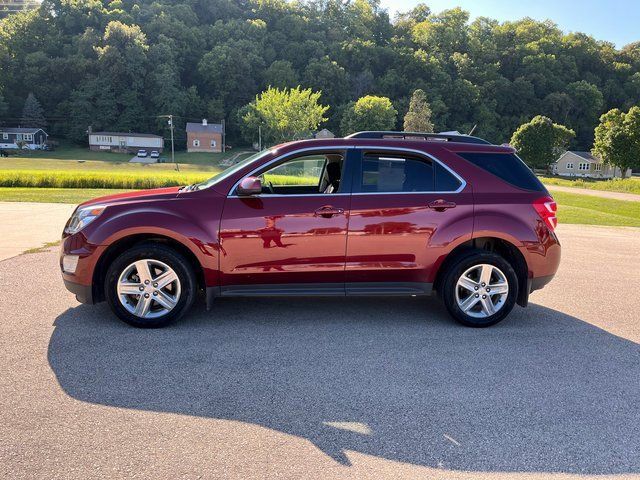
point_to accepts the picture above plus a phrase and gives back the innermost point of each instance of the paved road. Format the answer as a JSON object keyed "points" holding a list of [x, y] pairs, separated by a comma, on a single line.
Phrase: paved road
{"points": [[328, 388], [629, 197], [27, 225]]}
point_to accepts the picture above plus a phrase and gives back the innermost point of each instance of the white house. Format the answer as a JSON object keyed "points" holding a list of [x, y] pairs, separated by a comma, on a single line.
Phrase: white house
{"points": [[124, 142], [583, 164]]}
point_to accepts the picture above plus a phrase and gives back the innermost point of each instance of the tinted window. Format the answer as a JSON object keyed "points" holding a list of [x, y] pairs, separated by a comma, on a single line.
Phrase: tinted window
{"points": [[508, 167], [445, 181], [390, 173]]}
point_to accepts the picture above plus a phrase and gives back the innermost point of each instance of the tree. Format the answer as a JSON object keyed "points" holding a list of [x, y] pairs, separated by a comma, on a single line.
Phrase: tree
{"points": [[587, 105], [3, 105], [418, 118], [281, 74], [283, 115], [369, 113], [540, 141], [32, 114], [617, 139]]}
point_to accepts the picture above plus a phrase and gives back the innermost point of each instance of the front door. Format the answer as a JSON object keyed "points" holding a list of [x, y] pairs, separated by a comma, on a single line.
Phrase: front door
{"points": [[292, 237], [406, 208]]}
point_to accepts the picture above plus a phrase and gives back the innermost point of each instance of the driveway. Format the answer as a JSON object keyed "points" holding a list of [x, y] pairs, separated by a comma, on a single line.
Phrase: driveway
{"points": [[328, 388], [30, 225], [629, 197]]}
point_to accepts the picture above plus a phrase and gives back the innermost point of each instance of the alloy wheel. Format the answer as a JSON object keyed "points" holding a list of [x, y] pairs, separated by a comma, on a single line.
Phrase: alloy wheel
{"points": [[482, 290], [148, 288]]}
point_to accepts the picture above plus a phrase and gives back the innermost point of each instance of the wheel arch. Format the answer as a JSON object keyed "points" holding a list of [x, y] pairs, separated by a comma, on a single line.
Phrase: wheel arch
{"points": [[126, 242], [506, 249]]}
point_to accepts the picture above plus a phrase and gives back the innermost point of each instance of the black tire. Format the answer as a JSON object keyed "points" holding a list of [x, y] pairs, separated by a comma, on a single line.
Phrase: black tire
{"points": [[461, 265], [162, 253]]}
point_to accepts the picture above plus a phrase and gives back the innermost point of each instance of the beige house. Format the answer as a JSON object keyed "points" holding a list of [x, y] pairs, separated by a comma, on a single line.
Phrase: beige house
{"points": [[583, 164], [124, 142], [205, 137]]}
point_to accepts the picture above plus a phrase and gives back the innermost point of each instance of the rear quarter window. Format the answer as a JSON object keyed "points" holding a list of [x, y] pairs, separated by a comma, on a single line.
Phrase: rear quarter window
{"points": [[507, 167]]}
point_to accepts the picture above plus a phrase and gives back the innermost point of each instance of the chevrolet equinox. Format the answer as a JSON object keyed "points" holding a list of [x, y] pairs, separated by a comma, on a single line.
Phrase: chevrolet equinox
{"points": [[375, 213]]}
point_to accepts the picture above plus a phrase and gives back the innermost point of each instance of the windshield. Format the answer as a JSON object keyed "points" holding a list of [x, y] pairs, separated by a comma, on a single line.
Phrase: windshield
{"points": [[233, 169]]}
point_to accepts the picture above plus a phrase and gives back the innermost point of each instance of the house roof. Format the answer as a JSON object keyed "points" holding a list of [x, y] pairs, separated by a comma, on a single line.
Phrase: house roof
{"points": [[585, 155], [127, 134], [200, 128], [20, 130]]}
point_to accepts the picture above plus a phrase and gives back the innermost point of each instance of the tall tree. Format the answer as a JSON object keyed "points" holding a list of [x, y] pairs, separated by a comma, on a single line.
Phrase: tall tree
{"points": [[418, 118], [540, 141], [283, 115], [369, 113], [3, 106], [617, 139], [32, 113]]}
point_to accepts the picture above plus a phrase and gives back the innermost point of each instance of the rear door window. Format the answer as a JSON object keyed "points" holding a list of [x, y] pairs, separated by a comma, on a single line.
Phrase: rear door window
{"points": [[385, 173], [507, 167]]}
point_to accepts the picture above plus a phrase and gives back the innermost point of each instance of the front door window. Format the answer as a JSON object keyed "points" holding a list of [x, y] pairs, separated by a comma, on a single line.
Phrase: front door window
{"points": [[308, 174]]}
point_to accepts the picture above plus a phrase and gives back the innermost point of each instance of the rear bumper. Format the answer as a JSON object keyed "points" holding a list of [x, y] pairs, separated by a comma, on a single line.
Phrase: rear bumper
{"points": [[539, 282], [83, 293]]}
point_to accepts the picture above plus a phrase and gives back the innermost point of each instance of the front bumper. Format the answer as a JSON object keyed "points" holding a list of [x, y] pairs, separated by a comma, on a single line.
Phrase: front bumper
{"points": [[83, 293], [80, 281]]}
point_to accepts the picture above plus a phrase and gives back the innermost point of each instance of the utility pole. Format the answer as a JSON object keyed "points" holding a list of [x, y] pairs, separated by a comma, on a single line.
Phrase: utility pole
{"points": [[259, 138], [173, 152], [224, 136]]}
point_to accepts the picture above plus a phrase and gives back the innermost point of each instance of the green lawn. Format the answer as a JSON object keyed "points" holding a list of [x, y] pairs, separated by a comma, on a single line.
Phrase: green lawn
{"points": [[628, 185], [589, 210], [74, 152], [54, 195], [573, 208]]}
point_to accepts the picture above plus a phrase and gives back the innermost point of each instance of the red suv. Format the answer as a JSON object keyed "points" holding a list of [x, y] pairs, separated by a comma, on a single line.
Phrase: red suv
{"points": [[376, 213]]}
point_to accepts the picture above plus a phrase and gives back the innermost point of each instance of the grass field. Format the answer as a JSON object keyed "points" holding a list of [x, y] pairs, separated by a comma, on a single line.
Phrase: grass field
{"points": [[73, 152], [589, 210], [573, 208], [54, 195], [628, 185]]}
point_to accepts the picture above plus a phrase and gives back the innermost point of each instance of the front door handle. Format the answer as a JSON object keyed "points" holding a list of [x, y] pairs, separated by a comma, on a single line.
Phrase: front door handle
{"points": [[328, 211], [441, 205]]}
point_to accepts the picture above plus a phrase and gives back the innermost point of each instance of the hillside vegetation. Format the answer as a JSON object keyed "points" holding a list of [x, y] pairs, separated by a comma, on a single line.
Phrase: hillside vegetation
{"points": [[119, 65]]}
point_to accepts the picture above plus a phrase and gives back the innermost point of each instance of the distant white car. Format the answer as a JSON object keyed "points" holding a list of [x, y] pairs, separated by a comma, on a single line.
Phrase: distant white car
{"points": [[155, 154], [142, 153]]}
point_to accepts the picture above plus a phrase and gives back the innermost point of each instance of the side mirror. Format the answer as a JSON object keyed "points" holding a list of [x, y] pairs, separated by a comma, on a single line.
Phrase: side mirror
{"points": [[249, 186]]}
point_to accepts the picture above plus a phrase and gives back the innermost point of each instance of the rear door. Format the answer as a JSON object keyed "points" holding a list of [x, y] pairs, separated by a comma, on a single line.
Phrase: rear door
{"points": [[406, 209]]}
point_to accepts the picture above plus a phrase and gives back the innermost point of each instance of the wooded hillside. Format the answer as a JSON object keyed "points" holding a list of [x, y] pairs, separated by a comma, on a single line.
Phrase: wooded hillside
{"points": [[117, 65]]}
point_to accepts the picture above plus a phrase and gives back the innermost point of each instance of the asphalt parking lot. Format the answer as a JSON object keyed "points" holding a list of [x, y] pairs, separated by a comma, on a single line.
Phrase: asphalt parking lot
{"points": [[328, 388]]}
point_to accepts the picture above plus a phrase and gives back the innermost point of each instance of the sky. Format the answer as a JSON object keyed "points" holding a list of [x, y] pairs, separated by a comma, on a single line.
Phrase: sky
{"points": [[616, 21]]}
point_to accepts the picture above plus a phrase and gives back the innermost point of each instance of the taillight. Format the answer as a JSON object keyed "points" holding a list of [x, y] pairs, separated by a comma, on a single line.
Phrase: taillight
{"points": [[547, 208]]}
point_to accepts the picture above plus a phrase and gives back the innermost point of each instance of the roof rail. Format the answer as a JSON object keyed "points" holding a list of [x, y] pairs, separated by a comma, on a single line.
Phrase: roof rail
{"points": [[433, 137]]}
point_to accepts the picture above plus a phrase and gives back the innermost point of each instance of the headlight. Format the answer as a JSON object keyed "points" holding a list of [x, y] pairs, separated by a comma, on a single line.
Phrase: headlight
{"points": [[82, 217]]}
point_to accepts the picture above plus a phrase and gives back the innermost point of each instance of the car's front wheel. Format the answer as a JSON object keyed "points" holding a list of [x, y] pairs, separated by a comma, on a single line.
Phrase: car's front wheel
{"points": [[480, 289], [150, 285]]}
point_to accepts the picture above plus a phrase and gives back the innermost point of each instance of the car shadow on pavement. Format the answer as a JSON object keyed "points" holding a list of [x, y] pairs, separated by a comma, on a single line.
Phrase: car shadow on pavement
{"points": [[394, 378]]}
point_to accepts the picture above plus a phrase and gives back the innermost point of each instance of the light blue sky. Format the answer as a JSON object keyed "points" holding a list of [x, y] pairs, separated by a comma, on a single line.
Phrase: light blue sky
{"points": [[617, 21]]}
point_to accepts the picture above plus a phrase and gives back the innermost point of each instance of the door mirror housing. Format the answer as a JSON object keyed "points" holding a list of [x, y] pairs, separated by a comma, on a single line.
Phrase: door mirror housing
{"points": [[249, 186]]}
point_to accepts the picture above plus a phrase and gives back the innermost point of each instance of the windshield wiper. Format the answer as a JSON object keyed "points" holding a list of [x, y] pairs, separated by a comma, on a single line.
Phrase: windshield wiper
{"points": [[189, 188]]}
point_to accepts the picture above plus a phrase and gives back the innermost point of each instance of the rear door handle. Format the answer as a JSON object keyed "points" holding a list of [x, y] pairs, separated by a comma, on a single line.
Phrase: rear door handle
{"points": [[328, 211], [441, 205]]}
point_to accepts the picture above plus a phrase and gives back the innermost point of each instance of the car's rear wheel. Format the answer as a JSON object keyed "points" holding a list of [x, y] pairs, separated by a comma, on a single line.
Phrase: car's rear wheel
{"points": [[480, 289], [150, 285]]}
